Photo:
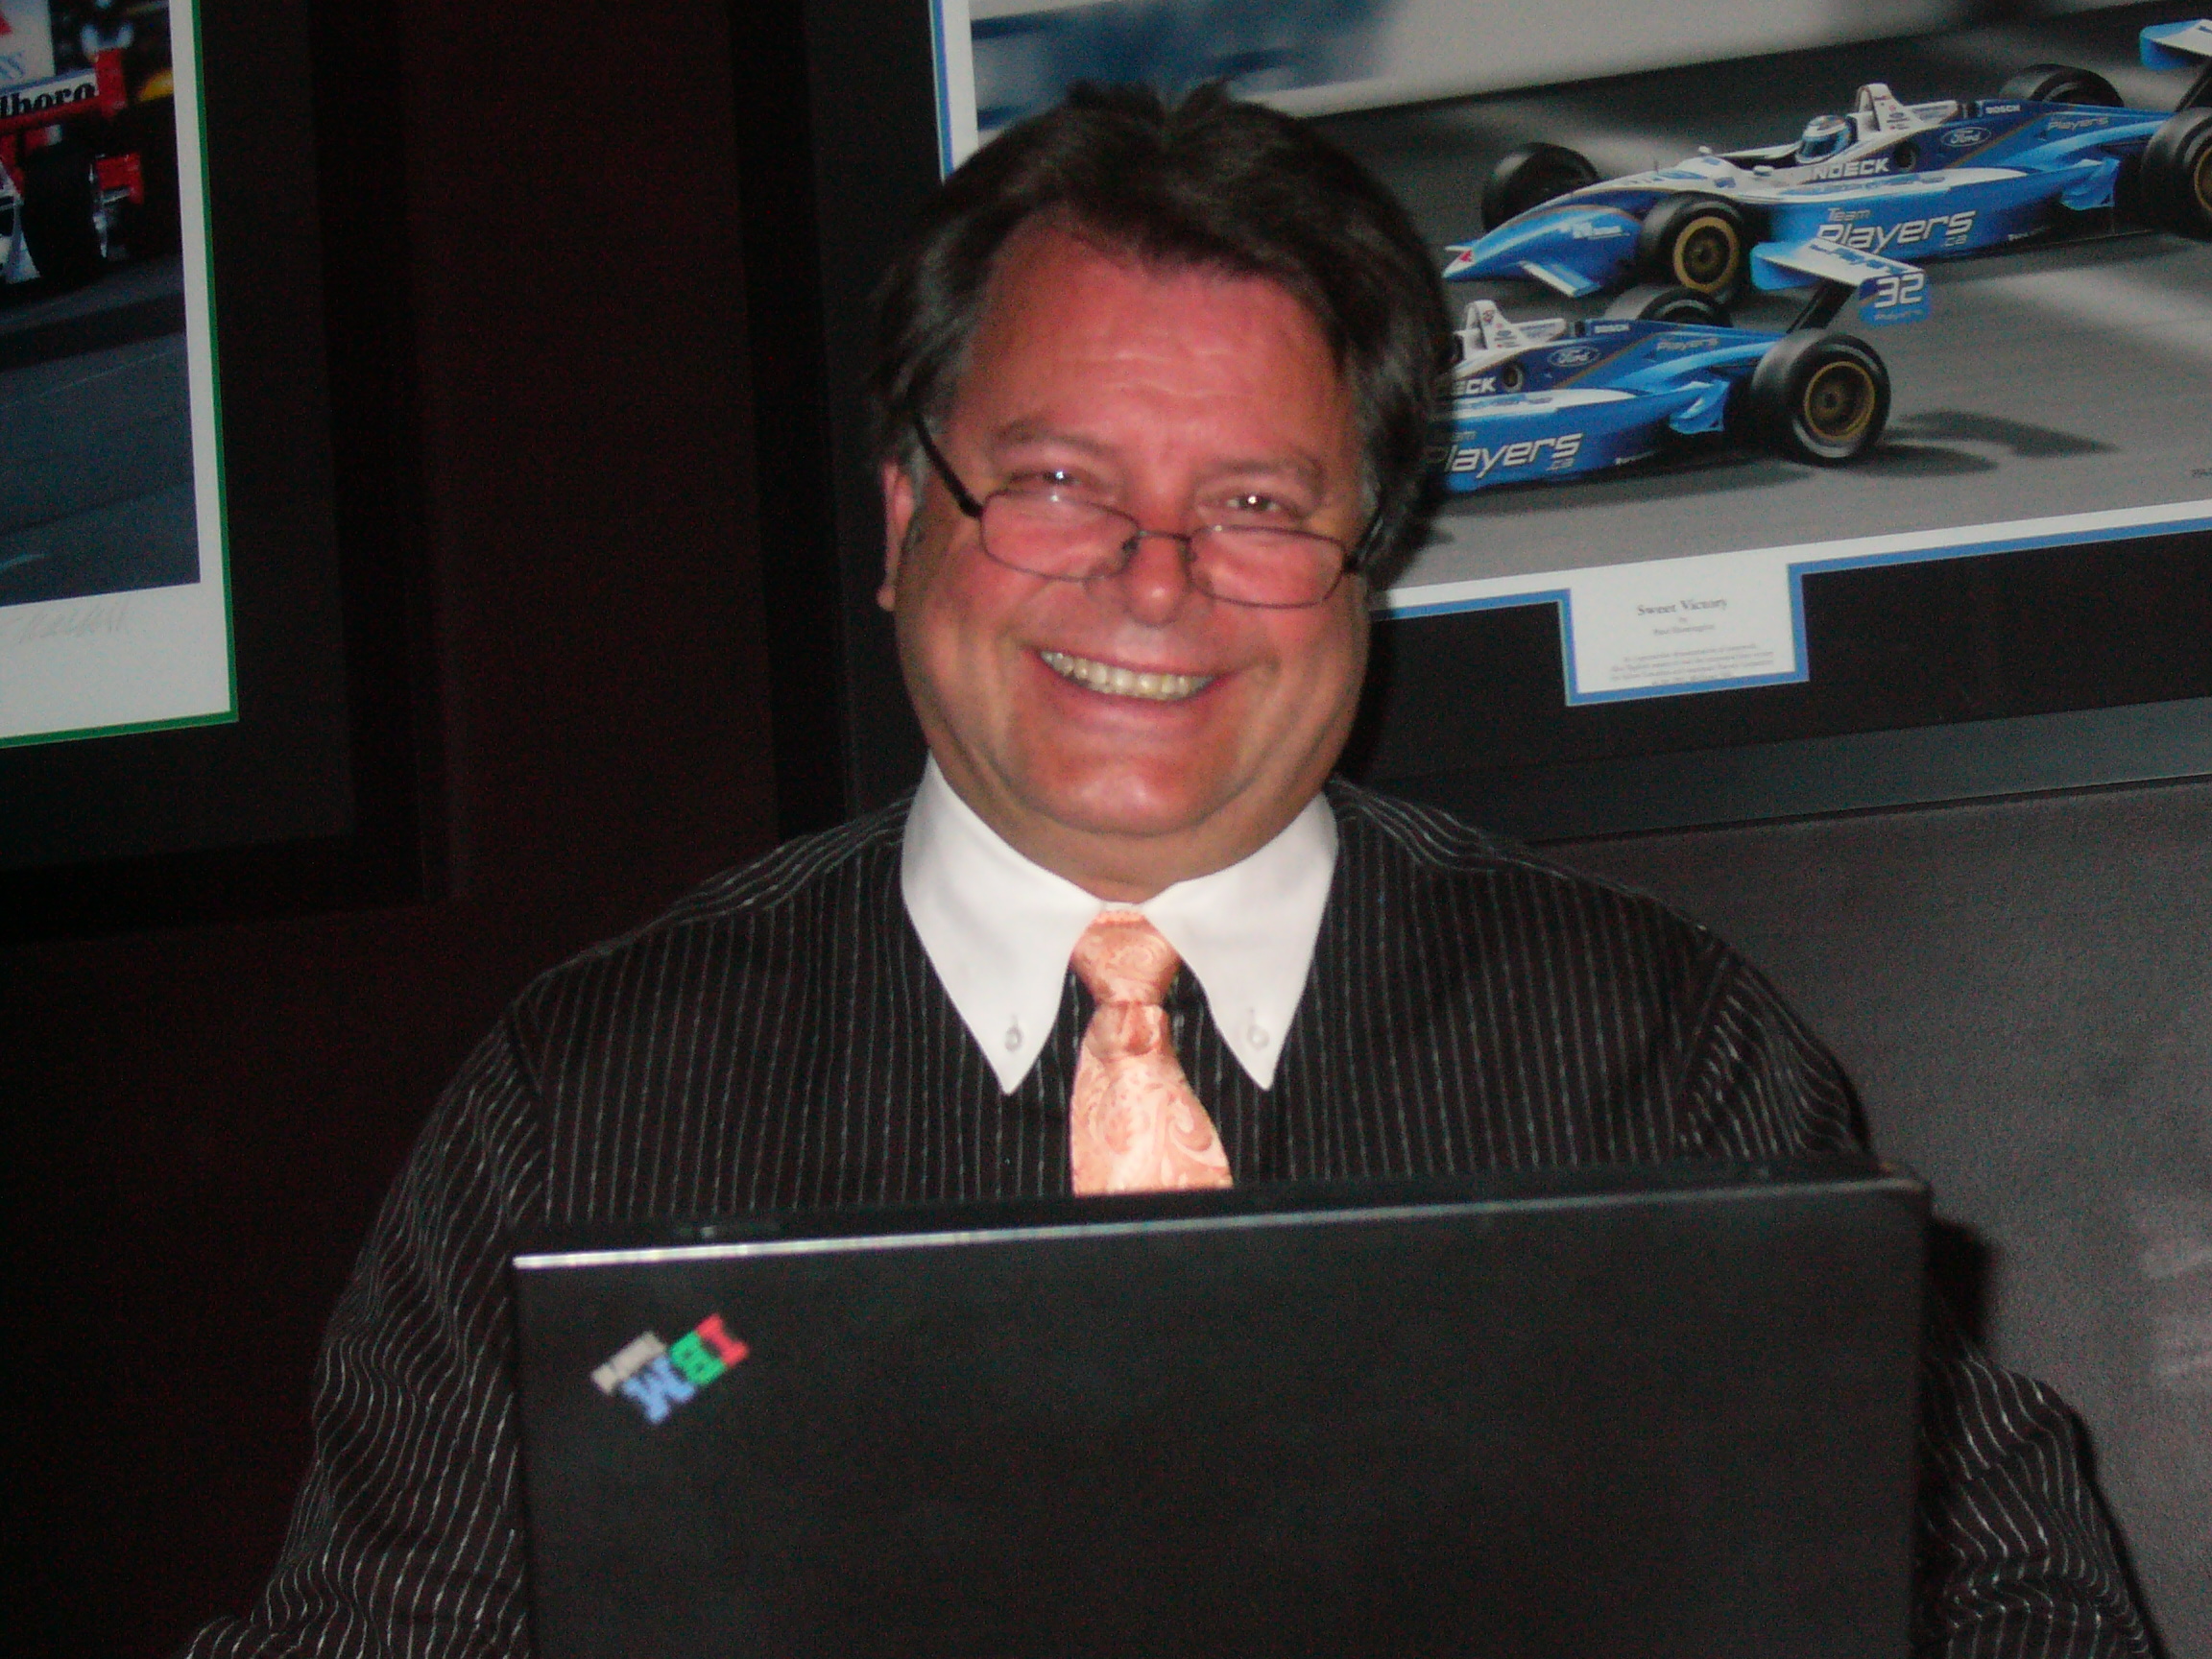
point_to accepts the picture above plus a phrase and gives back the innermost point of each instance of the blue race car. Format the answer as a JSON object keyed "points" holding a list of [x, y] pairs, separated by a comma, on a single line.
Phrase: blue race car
{"points": [[1553, 399], [1889, 181]]}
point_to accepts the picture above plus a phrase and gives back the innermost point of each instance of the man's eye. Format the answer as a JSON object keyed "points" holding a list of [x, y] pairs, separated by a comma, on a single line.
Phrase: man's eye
{"points": [[1058, 480], [1253, 505]]}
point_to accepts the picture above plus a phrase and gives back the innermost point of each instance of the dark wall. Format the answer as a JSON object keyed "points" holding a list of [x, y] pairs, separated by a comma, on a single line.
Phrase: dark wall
{"points": [[199, 1121]]}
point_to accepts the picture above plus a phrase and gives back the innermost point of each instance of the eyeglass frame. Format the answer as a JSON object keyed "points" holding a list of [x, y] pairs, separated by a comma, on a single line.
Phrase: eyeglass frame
{"points": [[1355, 554]]}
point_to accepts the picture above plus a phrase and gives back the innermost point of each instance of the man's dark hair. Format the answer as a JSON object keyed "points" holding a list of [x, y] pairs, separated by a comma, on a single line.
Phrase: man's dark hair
{"points": [[1210, 183]]}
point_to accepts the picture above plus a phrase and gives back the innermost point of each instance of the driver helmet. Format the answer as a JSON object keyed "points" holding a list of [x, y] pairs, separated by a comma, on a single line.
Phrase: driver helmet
{"points": [[1825, 135]]}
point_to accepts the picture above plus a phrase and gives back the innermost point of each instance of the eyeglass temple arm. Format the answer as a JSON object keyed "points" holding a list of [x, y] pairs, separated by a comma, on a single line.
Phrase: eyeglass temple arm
{"points": [[1357, 556], [961, 498]]}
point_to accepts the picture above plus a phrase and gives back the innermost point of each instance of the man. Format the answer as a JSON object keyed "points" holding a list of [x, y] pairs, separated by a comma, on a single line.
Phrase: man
{"points": [[1153, 392]]}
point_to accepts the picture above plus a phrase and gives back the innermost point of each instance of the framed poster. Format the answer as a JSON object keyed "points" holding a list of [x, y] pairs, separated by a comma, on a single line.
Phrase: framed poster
{"points": [[114, 591], [205, 698], [2010, 589]]}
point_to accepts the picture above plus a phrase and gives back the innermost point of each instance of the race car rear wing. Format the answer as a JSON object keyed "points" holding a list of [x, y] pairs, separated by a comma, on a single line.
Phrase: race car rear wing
{"points": [[95, 91], [2176, 46], [1487, 328], [1877, 110], [2181, 46]]}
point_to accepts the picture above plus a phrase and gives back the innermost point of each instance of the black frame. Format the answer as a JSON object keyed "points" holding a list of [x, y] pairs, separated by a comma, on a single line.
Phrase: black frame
{"points": [[314, 798], [2045, 668], [2048, 668]]}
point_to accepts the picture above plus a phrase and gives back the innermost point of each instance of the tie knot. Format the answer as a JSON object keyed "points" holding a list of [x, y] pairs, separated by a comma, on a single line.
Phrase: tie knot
{"points": [[1122, 959]]}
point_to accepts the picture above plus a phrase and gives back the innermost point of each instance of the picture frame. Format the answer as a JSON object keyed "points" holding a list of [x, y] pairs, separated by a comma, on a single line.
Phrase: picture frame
{"points": [[2063, 658], [314, 796]]}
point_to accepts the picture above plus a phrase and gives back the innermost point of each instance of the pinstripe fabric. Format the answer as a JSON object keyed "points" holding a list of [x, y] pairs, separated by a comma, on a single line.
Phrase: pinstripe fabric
{"points": [[778, 1038]]}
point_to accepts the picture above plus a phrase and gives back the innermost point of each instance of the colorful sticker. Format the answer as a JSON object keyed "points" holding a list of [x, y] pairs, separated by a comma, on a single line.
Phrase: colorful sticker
{"points": [[658, 1377]]}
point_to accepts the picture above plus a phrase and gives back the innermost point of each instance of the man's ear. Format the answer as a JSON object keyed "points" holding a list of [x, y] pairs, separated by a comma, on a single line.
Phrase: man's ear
{"points": [[899, 504]]}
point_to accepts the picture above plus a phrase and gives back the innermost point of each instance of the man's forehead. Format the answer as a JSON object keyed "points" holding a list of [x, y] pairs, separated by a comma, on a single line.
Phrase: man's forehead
{"points": [[1065, 313], [1040, 261]]}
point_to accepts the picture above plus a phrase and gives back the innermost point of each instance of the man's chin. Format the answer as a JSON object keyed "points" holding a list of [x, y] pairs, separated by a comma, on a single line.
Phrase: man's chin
{"points": [[1174, 834], [1133, 803], [1171, 822]]}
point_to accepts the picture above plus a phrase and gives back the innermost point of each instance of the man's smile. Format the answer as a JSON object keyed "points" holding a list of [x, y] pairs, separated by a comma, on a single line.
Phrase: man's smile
{"points": [[1125, 681]]}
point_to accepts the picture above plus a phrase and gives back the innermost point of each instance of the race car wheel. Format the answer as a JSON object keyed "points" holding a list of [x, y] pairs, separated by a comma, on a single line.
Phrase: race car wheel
{"points": [[61, 217], [1819, 397], [1695, 242], [2176, 180], [2063, 84], [1655, 302], [154, 225], [1528, 178]]}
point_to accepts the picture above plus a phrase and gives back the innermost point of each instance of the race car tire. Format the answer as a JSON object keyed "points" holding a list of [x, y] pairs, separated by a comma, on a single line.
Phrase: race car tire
{"points": [[60, 216], [157, 227], [154, 225], [1695, 242], [1658, 302], [1529, 177], [2199, 93], [2063, 84], [1819, 397], [2176, 178]]}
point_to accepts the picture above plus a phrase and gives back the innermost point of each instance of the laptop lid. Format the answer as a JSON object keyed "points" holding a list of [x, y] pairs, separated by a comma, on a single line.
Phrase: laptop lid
{"points": [[1654, 1411]]}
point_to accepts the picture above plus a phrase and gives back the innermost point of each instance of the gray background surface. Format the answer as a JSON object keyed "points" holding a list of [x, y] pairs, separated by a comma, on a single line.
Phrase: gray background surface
{"points": [[2023, 993]]}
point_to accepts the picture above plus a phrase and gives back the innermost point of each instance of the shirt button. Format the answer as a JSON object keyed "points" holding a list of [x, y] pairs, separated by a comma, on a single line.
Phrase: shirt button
{"points": [[1014, 1036], [1258, 1036]]}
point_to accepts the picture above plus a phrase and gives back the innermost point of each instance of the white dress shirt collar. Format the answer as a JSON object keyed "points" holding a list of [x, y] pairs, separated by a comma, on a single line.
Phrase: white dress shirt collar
{"points": [[1000, 930]]}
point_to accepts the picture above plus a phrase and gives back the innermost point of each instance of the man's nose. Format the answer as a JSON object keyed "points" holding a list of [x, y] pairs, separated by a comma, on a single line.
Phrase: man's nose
{"points": [[1156, 582]]}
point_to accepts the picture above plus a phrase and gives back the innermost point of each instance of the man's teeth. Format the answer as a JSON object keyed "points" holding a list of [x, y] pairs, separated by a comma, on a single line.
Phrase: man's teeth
{"points": [[1124, 681]]}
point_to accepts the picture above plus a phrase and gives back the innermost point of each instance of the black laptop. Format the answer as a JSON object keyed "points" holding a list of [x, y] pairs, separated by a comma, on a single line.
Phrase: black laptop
{"points": [[1660, 1412]]}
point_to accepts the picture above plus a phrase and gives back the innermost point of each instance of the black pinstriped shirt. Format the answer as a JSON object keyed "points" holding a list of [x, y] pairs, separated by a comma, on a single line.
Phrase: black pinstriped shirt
{"points": [[779, 1039]]}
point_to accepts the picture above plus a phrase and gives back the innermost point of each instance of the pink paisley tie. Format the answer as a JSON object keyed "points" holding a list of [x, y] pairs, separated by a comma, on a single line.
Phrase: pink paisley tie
{"points": [[1134, 1125]]}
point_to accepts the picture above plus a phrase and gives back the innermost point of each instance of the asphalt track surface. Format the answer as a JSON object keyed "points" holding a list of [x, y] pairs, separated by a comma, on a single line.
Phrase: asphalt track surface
{"points": [[95, 438], [2064, 379]]}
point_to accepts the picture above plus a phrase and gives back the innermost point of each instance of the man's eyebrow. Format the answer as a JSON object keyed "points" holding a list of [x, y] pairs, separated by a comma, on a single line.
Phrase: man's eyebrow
{"points": [[1306, 468], [1018, 432]]}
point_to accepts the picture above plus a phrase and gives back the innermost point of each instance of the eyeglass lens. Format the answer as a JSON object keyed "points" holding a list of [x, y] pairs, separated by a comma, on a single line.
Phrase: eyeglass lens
{"points": [[1048, 535]]}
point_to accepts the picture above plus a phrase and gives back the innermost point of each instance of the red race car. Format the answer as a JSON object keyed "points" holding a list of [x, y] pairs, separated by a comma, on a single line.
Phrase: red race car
{"points": [[87, 173]]}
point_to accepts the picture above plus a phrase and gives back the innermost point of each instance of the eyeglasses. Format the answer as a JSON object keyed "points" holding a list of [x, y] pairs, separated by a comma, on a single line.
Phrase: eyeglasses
{"points": [[1054, 534]]}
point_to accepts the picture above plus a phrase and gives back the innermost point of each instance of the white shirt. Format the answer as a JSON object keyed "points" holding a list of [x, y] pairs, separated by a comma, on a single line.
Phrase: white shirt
{"points": [[1000, 930]]}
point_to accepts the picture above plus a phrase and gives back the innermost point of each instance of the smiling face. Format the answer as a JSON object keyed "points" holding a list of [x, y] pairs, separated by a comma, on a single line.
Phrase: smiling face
{"points": [[1130, 731]]}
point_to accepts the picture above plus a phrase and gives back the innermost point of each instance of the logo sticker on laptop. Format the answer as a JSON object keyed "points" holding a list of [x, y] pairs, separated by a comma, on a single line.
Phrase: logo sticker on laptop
{"points": [[657, 1375]]}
